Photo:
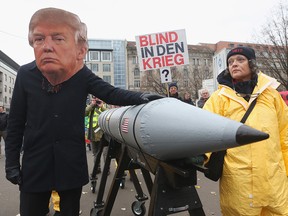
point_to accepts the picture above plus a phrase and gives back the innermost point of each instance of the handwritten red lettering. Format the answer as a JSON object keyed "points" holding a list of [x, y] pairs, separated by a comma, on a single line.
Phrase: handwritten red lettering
{"points": [[159, 38], [163, 61]]}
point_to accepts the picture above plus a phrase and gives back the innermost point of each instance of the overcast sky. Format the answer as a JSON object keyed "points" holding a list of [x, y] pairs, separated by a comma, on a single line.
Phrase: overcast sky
{"points": [[205, 21]]}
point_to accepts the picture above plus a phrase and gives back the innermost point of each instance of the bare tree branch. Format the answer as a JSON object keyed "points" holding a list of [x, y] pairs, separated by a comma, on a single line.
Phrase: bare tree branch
{"points": [[273, 50]]}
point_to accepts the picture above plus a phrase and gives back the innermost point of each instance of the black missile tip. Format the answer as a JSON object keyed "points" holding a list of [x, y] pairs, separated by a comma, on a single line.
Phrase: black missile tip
{"points": [[246, 135]]}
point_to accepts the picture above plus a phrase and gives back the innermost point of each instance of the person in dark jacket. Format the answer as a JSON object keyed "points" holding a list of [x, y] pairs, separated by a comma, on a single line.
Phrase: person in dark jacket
{"points": [[187, 98], [48, 109], [204, 96], [173, 91]]}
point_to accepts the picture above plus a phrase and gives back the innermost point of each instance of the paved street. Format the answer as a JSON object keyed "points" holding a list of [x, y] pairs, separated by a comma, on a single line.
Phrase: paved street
{"points": [[207, 190]]}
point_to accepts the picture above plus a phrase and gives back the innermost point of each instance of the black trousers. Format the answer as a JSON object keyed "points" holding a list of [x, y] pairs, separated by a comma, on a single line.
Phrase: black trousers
{"points": [[37, 204]]}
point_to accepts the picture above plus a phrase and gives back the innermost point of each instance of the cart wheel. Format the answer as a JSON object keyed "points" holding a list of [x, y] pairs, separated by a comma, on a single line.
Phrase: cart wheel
{"points": [[138, 208], [95, 212], [93, 186], [122, 184]]}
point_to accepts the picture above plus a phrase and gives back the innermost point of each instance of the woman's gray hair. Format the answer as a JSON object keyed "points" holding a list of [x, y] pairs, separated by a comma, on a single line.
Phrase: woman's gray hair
{"points": [[59, 16], [253, 66]]}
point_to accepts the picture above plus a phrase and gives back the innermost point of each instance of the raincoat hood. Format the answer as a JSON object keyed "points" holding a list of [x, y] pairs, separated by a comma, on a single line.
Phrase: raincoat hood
{"points": [[246, 87]]}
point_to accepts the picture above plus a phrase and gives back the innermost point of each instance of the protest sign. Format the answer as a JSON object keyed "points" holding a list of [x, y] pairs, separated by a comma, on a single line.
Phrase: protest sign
{"points": [[159, 50]]}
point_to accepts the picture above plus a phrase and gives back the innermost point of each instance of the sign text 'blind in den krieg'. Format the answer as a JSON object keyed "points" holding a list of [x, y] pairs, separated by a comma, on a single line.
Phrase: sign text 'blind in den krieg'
{"points": [[162, 51]]}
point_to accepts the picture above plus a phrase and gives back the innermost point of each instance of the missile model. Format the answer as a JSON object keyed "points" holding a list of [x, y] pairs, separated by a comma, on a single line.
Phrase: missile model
{"points": [[169, 129]]}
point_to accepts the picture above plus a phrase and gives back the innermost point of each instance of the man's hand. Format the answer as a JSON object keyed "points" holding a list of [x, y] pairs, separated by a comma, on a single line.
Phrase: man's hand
{"points": [[146, 97], [13, 174]]}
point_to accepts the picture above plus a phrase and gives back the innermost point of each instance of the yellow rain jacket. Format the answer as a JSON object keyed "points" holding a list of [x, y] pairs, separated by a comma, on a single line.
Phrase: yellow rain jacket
{"points": [[255, 176], [55, 200]]}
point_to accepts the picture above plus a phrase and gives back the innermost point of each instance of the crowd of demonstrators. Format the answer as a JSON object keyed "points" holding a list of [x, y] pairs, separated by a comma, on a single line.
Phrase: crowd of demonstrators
{"points": [[254, 179], [174, 93], [204, 96], [3, 125], [48, 108]]}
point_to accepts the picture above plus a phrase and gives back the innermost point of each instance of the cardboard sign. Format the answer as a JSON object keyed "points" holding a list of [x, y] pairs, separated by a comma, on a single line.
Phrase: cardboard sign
{"points": [[159, 50], [165, 75]]}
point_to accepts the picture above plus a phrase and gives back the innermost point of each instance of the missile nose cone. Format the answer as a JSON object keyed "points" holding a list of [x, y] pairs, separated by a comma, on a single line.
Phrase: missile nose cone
{"points": [[246, 134]]}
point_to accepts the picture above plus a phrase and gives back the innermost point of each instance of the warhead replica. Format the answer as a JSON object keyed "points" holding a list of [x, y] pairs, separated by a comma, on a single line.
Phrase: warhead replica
{"points": [[169, 129]]}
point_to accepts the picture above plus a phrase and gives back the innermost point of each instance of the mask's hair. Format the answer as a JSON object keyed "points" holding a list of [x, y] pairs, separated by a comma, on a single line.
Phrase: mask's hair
{"points": [[57, 16]]}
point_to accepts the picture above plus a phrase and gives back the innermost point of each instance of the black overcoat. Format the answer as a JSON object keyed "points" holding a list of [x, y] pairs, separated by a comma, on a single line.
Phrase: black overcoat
{"points": [[52, 125]]}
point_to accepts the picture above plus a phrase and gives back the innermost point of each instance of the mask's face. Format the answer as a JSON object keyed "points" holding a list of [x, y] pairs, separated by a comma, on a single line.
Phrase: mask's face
{"points": [[55, 48]]}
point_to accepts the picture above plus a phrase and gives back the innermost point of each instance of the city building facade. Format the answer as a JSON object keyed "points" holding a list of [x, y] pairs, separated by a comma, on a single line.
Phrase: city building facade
{"points": [[116, 61], [107, 59], [8, 72]]}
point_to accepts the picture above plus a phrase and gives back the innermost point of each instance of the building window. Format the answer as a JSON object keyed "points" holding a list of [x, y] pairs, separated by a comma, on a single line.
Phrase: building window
{"points": [[193, 61], [5, 88], [95, 67], [206, 72], [107, 79], [186, 72], [106, 56], [106, 67], [137, 83], [136, 73], [10, 90], [94, 56], [135, 60], [185, 83]]}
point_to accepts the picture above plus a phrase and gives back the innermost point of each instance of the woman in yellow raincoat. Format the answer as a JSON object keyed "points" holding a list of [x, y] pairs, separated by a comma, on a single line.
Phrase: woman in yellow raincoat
{"points": [[254, 180]]}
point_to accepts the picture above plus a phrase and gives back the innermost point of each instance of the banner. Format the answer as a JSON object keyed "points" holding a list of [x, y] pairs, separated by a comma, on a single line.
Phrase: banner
{"points": [[165, 49]]}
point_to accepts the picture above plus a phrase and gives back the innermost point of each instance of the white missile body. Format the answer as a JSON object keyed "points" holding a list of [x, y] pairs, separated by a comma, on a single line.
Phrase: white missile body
{"points": [[170, 129]]}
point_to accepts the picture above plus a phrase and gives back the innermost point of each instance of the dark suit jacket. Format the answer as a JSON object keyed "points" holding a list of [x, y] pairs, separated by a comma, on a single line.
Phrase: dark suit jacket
{"points": [[53, 127]]}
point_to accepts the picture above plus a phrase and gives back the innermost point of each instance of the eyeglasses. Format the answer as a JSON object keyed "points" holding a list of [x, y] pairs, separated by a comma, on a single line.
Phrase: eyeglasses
{"points": [[249, 95]]}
